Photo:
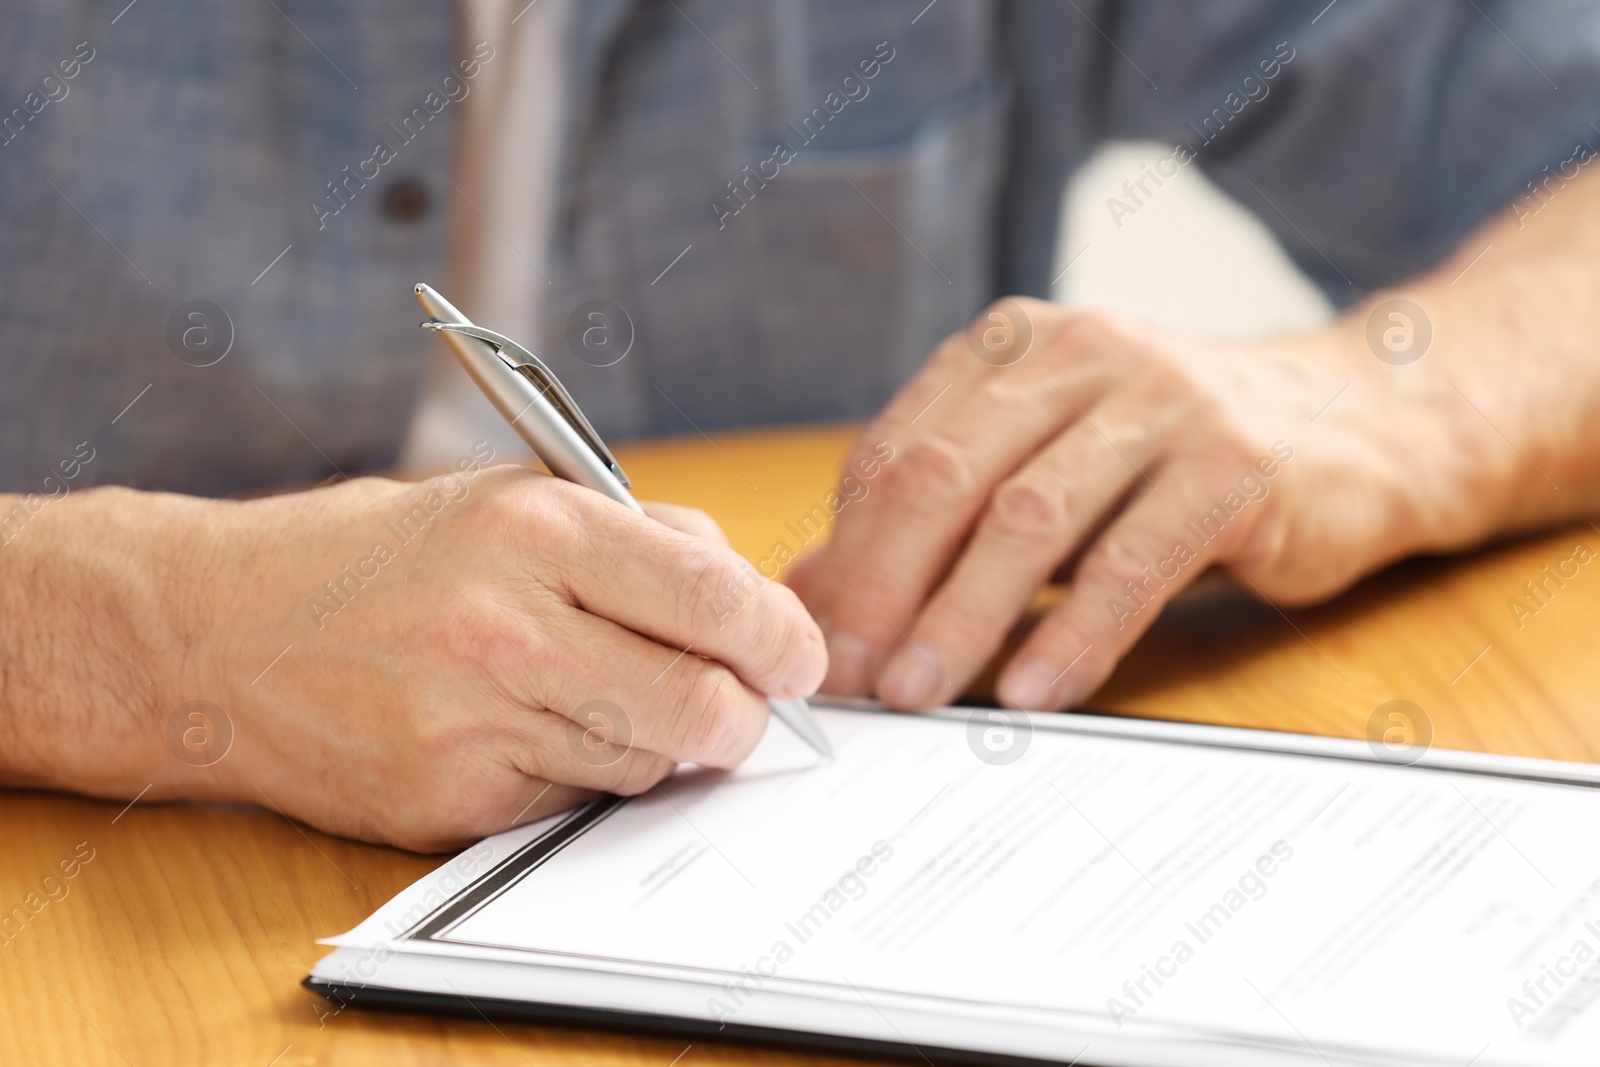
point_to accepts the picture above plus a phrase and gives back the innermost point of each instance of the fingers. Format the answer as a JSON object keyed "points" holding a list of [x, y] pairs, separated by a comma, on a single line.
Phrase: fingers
{"points": [[632, 708], [885, 566], [1158, 546], [947, 376], [586, 747], [691, 521], [685, 593], [1035, 519]]}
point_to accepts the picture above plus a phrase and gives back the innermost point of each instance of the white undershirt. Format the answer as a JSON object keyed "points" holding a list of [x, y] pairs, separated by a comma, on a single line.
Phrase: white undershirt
{"points": [[504, 179]]}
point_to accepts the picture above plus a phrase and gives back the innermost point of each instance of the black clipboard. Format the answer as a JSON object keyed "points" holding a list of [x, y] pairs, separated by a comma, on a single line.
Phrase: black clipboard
{"points": [[633, 1022]]}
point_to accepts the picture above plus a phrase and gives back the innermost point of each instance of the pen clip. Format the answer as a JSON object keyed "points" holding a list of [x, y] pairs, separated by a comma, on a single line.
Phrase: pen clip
{"points": [[535, 370]]}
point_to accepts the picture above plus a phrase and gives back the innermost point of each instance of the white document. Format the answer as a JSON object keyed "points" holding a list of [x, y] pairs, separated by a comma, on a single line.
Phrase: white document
{"points": [[1068, 888]]}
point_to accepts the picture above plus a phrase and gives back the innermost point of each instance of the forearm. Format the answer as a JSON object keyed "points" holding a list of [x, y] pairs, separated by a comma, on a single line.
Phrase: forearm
{"points": [[1513, 369], [93, 639]]}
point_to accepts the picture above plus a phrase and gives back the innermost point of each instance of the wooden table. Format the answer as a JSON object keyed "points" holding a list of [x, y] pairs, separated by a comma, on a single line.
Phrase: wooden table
{"points": [[185, 938]]}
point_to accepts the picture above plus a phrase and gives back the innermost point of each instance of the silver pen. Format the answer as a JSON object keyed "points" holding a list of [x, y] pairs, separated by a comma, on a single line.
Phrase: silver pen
{"points": [[532, 399]]}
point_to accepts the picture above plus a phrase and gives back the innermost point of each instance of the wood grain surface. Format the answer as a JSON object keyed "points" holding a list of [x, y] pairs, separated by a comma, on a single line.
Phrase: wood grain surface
{"points": [[184, 938]]}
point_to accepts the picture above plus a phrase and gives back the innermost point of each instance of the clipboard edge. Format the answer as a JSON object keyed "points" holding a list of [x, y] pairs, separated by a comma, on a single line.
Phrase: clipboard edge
{"points": [[655, 1025]]}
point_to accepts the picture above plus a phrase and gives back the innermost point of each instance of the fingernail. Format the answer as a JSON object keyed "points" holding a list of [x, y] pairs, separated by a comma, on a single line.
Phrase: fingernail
{"points": [[849, 661], [803, 682], [912, 679], [1030, 686]]}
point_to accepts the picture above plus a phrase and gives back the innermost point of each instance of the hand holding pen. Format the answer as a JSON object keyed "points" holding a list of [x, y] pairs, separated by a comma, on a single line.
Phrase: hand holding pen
{"points": [[530, 397]]}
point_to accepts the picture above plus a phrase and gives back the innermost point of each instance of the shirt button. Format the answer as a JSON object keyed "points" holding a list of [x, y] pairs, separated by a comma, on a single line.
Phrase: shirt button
{"points": [[406, 200]]}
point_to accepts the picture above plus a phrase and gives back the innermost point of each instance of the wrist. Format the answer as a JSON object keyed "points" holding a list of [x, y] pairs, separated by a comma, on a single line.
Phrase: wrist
{"points": [[1417, 468], [95, 624], [1442, 421]]}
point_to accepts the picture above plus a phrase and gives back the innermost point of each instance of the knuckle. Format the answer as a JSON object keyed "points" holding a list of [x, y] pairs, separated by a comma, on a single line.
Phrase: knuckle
{"points": [[934, 467], [1003, 392], [502, 475], [1133, 438], [551, 512], [1173, 383], [527, 511], [509, 495], [1031, 508], [1117, 563], [485, 635], [706, 711], [1092, 329], [712, 590], [441, 738]]}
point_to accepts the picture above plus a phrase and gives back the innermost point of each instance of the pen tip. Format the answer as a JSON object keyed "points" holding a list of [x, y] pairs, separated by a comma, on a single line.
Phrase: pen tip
{"points": [[420, 288]]}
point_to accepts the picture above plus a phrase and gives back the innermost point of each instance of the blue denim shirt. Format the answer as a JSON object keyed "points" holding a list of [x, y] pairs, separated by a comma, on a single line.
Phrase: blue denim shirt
{"points": [[166, 160]]}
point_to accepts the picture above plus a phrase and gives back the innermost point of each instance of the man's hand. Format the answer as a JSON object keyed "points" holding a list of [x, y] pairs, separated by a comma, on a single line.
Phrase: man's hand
{"points": [[1045, 441], [417, 664]]}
